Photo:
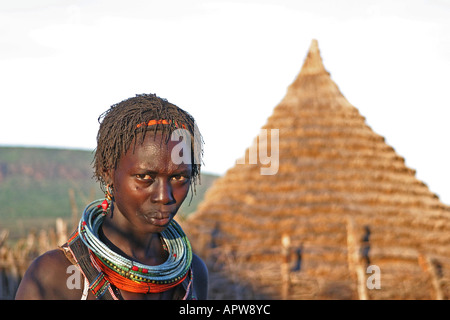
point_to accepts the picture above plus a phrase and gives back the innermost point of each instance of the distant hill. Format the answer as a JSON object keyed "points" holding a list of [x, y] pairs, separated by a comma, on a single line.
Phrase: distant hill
{"points": [[36, 183]]}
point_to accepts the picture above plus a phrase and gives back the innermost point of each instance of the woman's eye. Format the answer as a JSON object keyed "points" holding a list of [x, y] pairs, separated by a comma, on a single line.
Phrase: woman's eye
{"points": [[180, 178], [144, 176]]}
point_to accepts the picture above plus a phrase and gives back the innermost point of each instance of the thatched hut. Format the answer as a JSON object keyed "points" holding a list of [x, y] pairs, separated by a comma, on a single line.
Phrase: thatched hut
{"points": [[343, 217]]}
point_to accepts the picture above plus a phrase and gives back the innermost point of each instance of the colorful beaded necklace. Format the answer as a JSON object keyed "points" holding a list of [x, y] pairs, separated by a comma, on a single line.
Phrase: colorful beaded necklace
{"points": [[131, 275]]}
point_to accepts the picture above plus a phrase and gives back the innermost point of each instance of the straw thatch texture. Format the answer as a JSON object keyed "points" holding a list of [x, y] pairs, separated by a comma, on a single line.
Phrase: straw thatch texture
{"points": [[342, 198]]}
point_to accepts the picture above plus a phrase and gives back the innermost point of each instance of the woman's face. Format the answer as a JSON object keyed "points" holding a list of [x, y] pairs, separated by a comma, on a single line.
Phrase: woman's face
{"points": [[148, 187]]}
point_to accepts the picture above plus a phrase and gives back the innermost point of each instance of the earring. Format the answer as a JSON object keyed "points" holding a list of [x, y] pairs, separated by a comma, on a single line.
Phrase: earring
{"points": [[109, 192]]}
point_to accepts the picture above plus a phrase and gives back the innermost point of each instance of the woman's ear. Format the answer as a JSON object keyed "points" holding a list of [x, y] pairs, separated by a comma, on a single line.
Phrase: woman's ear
{"points": [[108, 176], [108, 188]]}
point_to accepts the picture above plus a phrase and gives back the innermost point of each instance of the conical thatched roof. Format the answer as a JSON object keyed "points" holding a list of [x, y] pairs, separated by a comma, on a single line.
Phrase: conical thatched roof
{"points": [[342, 199]]}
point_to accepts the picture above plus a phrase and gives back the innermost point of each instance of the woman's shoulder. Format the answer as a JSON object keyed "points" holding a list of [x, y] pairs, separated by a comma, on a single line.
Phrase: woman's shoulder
{"points": [[46, 277]]}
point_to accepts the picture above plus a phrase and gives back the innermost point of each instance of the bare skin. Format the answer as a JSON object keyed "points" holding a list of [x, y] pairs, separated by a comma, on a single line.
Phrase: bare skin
{"points": [[148, 191]]}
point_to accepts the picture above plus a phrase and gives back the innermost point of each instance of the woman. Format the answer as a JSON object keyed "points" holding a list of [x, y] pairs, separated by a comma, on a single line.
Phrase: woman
{"points": [[128, 246]]}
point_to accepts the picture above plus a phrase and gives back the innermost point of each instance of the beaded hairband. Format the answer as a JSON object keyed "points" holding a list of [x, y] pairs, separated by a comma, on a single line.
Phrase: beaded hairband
{"points": [[162, 121]]}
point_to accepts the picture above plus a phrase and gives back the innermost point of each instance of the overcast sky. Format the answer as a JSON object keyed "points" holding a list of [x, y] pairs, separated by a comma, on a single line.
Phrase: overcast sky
{"points": [[229, 63]]}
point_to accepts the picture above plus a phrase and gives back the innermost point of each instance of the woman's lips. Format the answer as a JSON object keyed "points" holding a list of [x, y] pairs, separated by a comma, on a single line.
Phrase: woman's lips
{"points": [[158, 219], [159, 222]]}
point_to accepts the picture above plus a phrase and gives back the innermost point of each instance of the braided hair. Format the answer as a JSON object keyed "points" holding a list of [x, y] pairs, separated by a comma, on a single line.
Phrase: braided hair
{"points": [[121, 124]]}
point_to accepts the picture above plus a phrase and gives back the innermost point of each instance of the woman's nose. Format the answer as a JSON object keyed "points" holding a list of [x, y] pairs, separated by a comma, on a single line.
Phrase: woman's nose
{"points": [[162, 192]]}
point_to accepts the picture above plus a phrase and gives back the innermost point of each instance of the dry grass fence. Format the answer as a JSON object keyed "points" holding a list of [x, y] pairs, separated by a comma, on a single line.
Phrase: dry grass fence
{"points": [[15, 257], [227, 267]]}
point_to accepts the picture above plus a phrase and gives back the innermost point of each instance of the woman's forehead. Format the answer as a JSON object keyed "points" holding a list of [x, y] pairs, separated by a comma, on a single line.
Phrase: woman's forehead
{"points": [[157, 152]]}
